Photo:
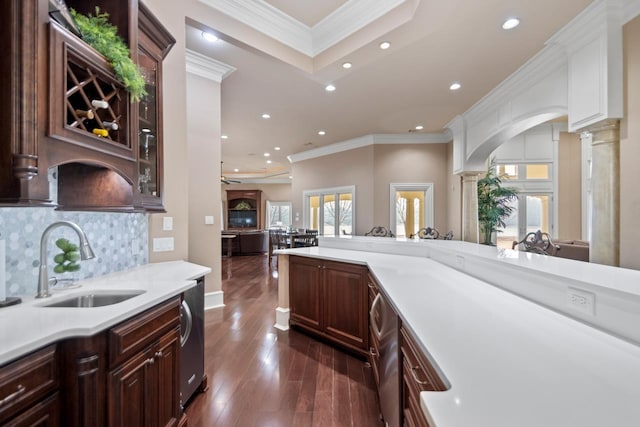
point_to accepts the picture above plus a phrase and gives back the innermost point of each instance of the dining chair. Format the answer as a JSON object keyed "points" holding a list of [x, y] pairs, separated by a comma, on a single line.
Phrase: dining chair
{"points": [[537, 242], [379, 231]]}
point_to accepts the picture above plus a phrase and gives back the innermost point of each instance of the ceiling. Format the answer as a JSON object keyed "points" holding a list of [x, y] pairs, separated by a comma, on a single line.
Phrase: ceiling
{"points": [[433, 44]]}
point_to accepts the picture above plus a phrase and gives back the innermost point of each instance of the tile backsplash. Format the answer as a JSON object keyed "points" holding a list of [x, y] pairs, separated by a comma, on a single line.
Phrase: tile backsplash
{"points": [[119, 241]]}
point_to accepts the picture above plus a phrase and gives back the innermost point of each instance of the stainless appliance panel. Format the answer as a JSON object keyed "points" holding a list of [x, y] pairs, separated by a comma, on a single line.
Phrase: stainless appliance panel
{"points": [[192, 341], [390, 380]]}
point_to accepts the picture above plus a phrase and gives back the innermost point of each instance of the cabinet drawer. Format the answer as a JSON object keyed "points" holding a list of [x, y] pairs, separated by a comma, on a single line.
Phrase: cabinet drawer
{"points": [[24, 382], [374, 356], [45, 413], [420, 370], [134, 335]]}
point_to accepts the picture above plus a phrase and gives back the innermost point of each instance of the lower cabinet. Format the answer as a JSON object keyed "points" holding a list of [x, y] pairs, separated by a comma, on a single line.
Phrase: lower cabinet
{"points": [[142, 392], [127, 375], [418, 375], [374, 343], [329, 299], [29, 390]]}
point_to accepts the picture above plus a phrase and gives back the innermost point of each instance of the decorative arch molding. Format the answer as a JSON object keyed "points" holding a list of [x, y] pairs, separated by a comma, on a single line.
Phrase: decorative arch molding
{"points": [[578, 74]]}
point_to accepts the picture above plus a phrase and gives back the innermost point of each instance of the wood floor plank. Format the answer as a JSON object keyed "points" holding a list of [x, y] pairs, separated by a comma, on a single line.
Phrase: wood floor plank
{"points": [[260, 376]]}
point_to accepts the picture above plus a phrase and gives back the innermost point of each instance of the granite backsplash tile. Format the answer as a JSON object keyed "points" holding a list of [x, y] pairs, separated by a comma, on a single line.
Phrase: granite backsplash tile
{"points": [[119, 241]]}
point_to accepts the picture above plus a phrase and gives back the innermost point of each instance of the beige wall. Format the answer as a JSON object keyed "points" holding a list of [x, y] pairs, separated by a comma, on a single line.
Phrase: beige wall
{"points": [[272, 192], [630, 150], [569, 197], [371, 169], [410, 163], [203, 134], [354, 167]]}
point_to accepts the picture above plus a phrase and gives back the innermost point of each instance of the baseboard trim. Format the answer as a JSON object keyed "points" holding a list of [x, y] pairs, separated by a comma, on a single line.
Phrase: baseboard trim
{"points": [[282, 319], [213, 300]]}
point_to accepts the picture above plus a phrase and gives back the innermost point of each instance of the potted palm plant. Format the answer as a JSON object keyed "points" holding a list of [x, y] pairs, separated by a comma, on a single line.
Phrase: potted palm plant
{"points": [[493, 204]]}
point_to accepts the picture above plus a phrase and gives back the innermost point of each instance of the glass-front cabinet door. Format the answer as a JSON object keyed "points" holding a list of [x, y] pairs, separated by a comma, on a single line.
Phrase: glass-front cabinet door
{"points": [[154, 42], [149, 152]]}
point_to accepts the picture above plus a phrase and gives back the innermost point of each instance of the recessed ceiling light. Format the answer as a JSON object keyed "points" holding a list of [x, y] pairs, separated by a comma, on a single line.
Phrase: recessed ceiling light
{"points": [[224, 137], [385, 45], [266, 116], [276, 148], [347, 65], [321, 132], [510, 23], [269, 161], [209, 37], [236, 170], [455, 86], [329, 88], [419, 127], [267, 154]]}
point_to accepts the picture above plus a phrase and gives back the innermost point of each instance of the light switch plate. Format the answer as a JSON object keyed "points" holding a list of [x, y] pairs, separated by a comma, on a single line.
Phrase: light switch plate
{"points": [[208, 220], [167, 223]]}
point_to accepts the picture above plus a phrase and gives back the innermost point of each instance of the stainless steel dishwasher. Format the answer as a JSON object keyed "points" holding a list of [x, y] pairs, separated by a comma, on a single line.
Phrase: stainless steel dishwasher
{"points": [[389, 353], [192, 341]]}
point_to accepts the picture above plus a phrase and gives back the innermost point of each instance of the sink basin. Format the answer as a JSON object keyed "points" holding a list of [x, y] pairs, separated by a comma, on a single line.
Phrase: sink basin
{"points": [[94, 299]]}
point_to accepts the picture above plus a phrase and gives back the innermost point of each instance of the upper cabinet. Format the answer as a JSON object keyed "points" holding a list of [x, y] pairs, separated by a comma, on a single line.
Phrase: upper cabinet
{"points": [[154, 43], [66, 118]]}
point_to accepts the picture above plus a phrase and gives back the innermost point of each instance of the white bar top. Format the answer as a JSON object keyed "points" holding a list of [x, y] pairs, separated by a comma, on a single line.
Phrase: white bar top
{"points": [[510, 362], [28, 326]]}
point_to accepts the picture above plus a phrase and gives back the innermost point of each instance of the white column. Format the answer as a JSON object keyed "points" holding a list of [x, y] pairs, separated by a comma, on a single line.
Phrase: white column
{"points": [[605, 188], [470, 229]]}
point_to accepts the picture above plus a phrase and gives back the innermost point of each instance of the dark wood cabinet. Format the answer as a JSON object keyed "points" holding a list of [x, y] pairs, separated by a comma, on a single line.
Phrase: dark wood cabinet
{"points": [[330, 299], [145, 353], [62, 110], [142, 392], [29, 390], [154, 43], [418, 374], [244, 209]]}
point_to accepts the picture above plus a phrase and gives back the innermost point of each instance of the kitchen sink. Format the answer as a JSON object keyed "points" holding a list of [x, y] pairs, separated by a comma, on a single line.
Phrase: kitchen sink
{"points": [[94, 299]]}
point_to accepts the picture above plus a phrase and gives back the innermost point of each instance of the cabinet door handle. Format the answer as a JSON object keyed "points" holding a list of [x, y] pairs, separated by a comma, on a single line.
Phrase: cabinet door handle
{"points": [[373, 351], [13, 396], [415, 376], [158, 354], [371, 285], [150, 361]]}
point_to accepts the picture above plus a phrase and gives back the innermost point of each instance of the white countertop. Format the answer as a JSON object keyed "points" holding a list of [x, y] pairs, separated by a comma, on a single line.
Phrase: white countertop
{"points": [[510, 362], [28, 326]]}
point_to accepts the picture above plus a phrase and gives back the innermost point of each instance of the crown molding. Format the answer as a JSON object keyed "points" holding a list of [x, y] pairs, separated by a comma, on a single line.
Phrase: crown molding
{"points": [[267, 19], [631, 10], [204, 66], [367, 140], [311, 41], [347, 19], [262, 180]]}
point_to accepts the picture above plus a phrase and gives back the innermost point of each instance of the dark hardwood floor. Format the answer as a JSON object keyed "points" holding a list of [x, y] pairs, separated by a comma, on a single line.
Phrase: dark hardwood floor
{"points": [[260, 376]]}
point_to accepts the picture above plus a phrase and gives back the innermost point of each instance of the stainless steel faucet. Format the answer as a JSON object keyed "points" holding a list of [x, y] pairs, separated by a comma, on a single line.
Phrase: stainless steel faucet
{"points": [[85, 253]]}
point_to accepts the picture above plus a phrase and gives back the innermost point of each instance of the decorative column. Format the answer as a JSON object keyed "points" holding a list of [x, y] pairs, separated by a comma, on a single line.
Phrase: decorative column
{"points": [[605, 191], [470, 229]]}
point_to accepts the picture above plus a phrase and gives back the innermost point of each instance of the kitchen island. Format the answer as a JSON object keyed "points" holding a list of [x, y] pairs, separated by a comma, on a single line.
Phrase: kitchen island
{"points": [[507, 360]]}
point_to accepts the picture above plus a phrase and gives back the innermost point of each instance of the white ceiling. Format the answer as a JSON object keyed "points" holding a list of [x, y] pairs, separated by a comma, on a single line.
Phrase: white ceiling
{"points": [[386, 92]]}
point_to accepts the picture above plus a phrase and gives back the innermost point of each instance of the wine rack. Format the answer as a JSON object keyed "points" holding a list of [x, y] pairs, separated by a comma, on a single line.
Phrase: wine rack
{"points": [[89, 108]]}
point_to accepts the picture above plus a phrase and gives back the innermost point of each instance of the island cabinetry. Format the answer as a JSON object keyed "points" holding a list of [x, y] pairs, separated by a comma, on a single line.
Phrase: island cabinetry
{"points": [[143, 385], [329, 299], [29, 390], [418, 375]]}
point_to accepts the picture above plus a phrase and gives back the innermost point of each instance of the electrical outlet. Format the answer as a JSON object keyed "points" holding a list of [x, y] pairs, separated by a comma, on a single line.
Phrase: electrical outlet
{"points": [[460, 262], [135, 246], [162, 244], [582, 301]]}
